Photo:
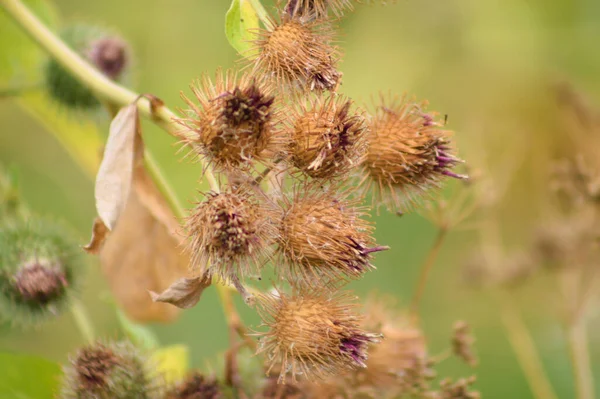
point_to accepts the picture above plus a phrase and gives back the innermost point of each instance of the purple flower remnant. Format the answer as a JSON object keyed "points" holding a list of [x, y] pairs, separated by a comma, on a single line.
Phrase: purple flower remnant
{"points": [[356, 347]]}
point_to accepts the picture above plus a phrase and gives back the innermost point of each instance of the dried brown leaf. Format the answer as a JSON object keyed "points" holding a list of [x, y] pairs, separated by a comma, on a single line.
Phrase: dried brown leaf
{"points": [[99, 234], [113, 181], [142, 253], [183, 293]]}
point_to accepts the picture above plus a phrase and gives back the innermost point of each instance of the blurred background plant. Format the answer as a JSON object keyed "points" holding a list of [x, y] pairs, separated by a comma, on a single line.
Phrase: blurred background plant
{"points": [[518, 82]]}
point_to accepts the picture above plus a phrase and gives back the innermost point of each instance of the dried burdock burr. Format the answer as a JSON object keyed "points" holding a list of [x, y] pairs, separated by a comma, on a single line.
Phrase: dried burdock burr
{"points": [[110, 371], [323, 237], [196, 386], [297, 54], [409, 153], [40, 269], [387, 368], [312, 333], [106, 51], [329, 138], [234, 122], [229, 234], [316, 8]]}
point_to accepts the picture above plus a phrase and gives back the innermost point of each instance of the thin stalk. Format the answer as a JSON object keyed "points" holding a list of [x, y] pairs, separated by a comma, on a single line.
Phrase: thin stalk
{"points": [[580, 357], [525, 350], [425, 269], [86, 74], [233, 318], [82, 320]]}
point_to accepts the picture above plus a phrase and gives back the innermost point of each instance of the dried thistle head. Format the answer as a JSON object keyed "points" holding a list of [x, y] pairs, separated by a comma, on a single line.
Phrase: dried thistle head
{"points": [[312, 333], [230, 232], [408, 153], [234, 123], [196, 386], [298, 55], [113, 370], [387, 369], [317, 8], [328, 138], [323, 237]]}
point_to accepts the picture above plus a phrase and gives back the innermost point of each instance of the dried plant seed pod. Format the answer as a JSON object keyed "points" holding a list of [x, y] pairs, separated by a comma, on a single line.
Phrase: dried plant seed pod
{"points": [[110, 371], [328, 139], [196, 386], [41, 267], [230, 233], [323, 237], [408, 154], [298, 55], [313, 334], [105, 50], [235, 122], [317, 8]]}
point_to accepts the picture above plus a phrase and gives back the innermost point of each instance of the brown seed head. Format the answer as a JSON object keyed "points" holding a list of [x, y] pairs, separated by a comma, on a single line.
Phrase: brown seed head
{"points": [[196, 386], [234, 123], [40, 283], [328, 139], [93, 366], [230, 232], [324, 237], [109, 55], [462, 343], [391, 364], [408, 153], [312, 334], [298, 55], [317, 8]]}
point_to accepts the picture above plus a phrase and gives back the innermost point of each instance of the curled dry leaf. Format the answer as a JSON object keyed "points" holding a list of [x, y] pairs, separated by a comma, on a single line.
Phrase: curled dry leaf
{"points": [[99, 233], [113, 181], [142, 252], [183, 293]]}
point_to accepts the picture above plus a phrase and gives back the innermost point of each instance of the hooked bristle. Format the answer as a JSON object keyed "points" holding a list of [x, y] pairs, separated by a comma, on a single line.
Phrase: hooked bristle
{"points": [[328, 139], [324, 238], [313, 334], [234, 123], [298, 55], [409, 153]]}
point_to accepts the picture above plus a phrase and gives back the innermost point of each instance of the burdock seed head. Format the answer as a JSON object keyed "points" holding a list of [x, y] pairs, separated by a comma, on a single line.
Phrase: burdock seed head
{"points": [[196, 386], [110, 371], [40, 268], [386, 374], [105, 50], [328, 138], [298, 55], [230, 232], [316, 8], [323, 238], [312, 333], [408, 153], [234, 123]]}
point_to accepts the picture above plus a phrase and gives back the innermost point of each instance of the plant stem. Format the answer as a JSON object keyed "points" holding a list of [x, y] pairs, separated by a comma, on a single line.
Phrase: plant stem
{"points": [[103, 87], [580, 357], [425, 269], [524, 349], [82, 320]]}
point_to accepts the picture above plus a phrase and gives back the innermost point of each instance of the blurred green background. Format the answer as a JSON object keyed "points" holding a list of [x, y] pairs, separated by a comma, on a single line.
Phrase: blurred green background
{"points": [[492, 66]]}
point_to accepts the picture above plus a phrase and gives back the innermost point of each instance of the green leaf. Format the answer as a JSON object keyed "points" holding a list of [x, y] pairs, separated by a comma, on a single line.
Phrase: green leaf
{"points": [[21, 58], [241, 25], [172, 362], [28, 377]]}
